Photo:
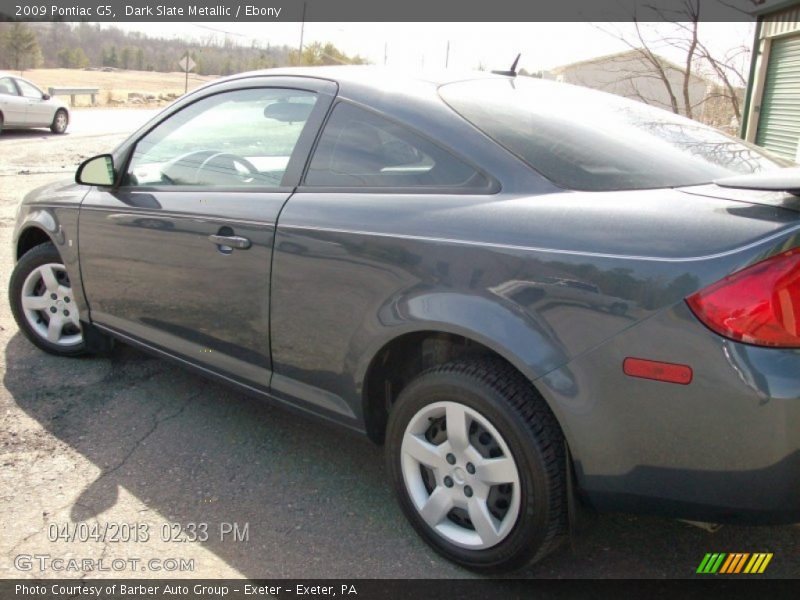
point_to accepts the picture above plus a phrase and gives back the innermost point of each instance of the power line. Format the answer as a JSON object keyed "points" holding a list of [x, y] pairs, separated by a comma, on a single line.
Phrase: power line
{"points": [[217, 30]]}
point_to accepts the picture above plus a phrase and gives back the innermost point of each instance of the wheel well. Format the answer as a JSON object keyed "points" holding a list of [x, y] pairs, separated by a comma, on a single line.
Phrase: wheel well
{"points": [[30, 238], [400, 361]]}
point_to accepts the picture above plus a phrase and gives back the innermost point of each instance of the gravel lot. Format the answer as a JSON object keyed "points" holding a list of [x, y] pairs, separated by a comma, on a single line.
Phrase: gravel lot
{"points": [[132, 439]]}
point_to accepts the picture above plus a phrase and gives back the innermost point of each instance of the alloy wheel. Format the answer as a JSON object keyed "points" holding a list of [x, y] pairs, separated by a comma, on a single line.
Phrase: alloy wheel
{"points": [[460, 475], [49, 306]]}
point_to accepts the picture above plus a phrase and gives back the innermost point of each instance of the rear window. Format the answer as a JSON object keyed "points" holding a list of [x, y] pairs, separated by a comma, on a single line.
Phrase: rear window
{"points": [[582, 139]]}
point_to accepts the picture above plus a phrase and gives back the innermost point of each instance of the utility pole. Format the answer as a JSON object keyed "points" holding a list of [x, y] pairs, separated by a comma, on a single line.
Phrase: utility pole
{"points": [[447, 55], [302, 31], [385, 52]]}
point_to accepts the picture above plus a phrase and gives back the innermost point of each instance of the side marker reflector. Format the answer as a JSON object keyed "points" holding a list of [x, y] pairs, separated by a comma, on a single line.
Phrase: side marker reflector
{"points": [[658, 371]]}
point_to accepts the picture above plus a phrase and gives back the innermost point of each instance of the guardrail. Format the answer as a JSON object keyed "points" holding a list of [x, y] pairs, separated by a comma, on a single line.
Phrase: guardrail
{"points": [[74, 91]]}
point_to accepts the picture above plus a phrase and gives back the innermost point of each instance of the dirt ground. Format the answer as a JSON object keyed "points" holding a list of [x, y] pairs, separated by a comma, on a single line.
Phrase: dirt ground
{"points": [[134, 440], [115, 85]]}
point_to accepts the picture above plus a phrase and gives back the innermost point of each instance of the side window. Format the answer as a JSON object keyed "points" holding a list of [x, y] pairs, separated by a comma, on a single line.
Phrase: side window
{"points": [[28, 90], [7, 87], [241, 138], [361, 149]]}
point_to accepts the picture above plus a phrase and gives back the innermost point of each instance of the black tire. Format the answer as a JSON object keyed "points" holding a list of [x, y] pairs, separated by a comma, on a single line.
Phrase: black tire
{"points": [[55, 127], [500, 394], [1, 122], [34, 258]]}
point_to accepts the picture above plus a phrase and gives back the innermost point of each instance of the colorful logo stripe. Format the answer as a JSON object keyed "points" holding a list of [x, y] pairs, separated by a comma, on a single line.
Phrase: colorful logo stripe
{"points": [[736, 562], [710, 563]]}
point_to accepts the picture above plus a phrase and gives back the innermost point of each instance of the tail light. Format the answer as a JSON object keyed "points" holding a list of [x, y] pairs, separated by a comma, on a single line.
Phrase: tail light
{"points": [[759, 305]]}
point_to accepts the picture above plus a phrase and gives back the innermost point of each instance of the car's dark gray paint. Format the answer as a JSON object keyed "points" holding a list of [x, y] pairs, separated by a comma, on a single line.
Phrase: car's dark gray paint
{"points": [[564, 285], [723, 449], [167, 283], [190, 299], [49, 213]]}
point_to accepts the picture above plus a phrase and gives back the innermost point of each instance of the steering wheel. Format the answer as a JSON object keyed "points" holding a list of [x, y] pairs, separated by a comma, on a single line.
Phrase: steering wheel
{"points": [[223, 165]]}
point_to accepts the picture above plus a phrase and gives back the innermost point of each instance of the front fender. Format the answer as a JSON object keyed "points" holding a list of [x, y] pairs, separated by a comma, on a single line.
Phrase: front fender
{"points": [[53, 211]]}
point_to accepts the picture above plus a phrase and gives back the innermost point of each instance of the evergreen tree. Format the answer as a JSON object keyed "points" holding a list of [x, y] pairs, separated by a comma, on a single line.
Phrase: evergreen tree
{"points": [[21, 47]]}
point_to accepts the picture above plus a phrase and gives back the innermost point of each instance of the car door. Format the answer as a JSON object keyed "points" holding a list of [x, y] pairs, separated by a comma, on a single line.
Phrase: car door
{"points": [[348, 248], [12, 105], [178, 256], [38, 112]]}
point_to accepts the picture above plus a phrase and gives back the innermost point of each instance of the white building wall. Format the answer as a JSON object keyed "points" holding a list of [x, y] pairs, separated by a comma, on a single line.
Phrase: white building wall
{"points": [[634, 77]]}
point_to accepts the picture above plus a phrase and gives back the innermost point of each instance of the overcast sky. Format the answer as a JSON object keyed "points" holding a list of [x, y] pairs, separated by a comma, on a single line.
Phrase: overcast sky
{"points": [[424, 45]]}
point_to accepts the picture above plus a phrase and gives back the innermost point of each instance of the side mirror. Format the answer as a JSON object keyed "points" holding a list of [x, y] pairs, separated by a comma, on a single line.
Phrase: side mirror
{"points": [[45, 96], [98, 170]]}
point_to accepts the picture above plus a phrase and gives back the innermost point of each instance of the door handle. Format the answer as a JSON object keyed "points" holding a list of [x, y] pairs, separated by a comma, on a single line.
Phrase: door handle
{"points": [[232, 241]]}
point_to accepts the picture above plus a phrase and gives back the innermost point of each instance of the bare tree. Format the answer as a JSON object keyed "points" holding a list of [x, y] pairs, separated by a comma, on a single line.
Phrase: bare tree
{"points": [[653, 63], [681, 31], [693, 10], [730, 70]]}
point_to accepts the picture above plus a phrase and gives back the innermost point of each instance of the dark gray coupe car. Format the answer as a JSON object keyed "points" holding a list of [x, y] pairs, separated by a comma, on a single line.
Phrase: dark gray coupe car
{"points": [[536, 295]]}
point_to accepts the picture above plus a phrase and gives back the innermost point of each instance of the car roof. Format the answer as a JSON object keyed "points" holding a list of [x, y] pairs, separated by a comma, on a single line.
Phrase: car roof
{"points": [[20, 77], [366, 74], [365, 81]]}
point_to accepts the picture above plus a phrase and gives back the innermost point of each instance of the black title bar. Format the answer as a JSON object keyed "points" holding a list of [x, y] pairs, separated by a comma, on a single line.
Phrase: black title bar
{"points": [[379, 11], [396, 589]]}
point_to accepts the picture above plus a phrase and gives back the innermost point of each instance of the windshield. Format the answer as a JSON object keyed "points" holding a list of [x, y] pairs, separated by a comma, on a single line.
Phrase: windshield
{"points": [[583, 139]]}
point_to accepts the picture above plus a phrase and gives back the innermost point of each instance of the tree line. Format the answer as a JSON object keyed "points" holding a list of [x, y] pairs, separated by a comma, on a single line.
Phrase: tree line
{"points": [[76, 46]]}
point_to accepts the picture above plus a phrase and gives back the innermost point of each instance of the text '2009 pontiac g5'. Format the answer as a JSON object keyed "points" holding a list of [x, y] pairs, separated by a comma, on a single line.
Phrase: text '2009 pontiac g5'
{"points": [[533, 294]]}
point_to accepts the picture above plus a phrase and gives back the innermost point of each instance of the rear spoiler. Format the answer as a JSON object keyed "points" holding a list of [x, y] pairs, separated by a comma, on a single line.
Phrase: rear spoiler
{"points": [[780, 180]]}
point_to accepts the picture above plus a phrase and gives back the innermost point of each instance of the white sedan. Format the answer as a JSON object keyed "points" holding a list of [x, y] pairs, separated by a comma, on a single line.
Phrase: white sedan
{"points": [[22, 104]]}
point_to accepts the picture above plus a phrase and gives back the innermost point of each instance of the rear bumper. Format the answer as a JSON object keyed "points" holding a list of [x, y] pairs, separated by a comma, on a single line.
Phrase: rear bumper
{"points": [[725, 448], [768, 499]]}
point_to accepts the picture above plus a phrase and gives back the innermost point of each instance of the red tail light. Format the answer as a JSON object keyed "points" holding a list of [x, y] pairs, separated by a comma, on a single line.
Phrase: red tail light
{"points": [[759, 305]]}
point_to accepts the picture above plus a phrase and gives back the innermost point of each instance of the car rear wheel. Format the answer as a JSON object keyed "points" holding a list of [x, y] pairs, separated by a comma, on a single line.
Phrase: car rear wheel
{"points": [[60, 121], [42, 302], [477, 461]]}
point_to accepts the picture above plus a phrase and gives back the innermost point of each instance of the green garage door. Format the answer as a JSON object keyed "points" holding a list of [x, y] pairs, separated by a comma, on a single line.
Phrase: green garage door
{"points": [[779, 123]]}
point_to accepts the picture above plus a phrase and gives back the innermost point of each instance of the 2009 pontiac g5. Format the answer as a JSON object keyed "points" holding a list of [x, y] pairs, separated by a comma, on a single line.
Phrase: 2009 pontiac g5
{"points": [[533, 293]]}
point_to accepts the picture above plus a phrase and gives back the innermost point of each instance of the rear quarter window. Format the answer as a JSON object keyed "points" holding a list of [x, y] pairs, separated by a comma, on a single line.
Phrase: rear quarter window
{"points": [[361, 149], [7, 87]]}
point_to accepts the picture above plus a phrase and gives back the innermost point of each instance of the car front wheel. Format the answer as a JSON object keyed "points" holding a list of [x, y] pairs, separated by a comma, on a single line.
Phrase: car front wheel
{"points": [[60, 121], [42, 302], [477, 461]]}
